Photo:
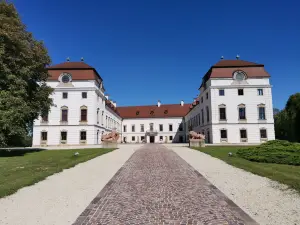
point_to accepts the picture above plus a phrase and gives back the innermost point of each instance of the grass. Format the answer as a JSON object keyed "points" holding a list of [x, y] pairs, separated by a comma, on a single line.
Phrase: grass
{"points": [[286, 174], [20, 168]]}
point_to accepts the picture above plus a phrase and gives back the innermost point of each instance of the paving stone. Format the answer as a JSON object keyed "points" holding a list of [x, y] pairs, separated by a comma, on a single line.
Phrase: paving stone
{"points": [[156, 186]]}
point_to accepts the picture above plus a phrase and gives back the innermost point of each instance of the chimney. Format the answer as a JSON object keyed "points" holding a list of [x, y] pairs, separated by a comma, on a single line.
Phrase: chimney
{"points": [[182, 103], [158, 103]]}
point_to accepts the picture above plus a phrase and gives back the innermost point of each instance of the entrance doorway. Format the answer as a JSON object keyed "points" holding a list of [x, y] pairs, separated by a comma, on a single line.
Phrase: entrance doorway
{"points": [[152, 139]]}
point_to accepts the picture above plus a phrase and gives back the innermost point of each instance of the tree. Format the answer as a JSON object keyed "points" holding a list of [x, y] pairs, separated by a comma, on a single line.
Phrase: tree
{"points": [[287, 121], [24, 94]]}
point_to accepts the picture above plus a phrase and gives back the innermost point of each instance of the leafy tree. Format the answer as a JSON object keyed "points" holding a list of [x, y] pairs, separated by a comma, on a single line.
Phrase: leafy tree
{"points": [[24, 94], [287, 122]]}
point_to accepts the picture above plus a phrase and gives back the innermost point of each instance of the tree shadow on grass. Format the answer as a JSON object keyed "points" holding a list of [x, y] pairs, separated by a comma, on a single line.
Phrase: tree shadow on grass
{"points": [[13, 152]]}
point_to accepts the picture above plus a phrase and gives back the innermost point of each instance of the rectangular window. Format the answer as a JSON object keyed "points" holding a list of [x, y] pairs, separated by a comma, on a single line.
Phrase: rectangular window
{"points": [[260, 91], [82, 135], [151, 126], [161, 127], [201, 99], [84, 94], [64, 115], [243, 134], [206, 95], [44, 135], [63, 135], [242, 113], [261, 112], [171, 138], [222, 113], [221, 92], [142, 138], [65, 95], [133, 128], [240, 91], [263, 133], [124, 128], [133, 138], [223, 134], [142, 127], [83, 115], [207, 113], [180, 127], [170, 127], [161, 138], [202, 115]]}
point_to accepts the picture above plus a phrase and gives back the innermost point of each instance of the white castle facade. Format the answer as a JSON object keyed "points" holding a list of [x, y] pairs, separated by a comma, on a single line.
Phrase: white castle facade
{"points": [[234, 106]]}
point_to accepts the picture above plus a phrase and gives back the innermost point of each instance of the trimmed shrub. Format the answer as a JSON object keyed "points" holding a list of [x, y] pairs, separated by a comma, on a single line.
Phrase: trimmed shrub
{"points": [[280, 152]]}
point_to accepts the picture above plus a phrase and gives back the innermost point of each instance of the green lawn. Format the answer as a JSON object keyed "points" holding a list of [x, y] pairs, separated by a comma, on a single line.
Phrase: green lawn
{"points": [[19, 169], [286, 174]]}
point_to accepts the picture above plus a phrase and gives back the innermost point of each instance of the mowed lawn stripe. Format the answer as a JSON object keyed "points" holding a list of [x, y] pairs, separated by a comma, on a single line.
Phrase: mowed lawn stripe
{"points": [[24, 170]]}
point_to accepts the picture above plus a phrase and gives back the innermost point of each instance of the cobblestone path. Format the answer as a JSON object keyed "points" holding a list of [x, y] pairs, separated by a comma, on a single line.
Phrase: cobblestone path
{"points": [[156, 186]]}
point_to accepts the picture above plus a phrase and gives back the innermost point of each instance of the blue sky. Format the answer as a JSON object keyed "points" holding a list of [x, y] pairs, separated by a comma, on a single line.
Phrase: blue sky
{"points": [[147, 50]]}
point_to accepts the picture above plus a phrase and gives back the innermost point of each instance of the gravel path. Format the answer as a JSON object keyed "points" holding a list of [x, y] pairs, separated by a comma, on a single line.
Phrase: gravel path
{"points": [[156, 186], [60, 198], [268, 202]]}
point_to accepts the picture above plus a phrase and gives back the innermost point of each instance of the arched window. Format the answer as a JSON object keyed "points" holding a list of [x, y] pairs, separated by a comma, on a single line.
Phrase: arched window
{"points": [[261, 112], [222, 112], [242, 111], [64, 114], [83, 114]]}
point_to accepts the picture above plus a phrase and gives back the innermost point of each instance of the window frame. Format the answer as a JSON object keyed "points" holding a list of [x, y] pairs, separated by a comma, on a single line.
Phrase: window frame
{"points": [[171, 138], [170, 127], [132, 138], [142, 127], [222, 106], [224, 139], [207, 114], [161, 127], [243, 139], [80, 136], [63, 141], [84, 93], [264, 113], [64, 116], [260, 134], [124, 128], [132, 128], [83, 109], [242, 90], [242, 106], [260, 91], [43, 141], [65, 95], [221, 91]]}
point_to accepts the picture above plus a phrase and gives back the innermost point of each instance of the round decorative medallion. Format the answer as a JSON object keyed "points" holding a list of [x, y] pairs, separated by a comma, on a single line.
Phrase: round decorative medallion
{"points": [[65, 77], [239, 75]]}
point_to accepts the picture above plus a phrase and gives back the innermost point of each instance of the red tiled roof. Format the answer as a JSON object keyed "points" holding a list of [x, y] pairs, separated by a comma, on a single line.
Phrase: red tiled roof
{"points": [[226, 68], [235, 63], [78, 71], [111, 106], [71, 65], [153, 111]]}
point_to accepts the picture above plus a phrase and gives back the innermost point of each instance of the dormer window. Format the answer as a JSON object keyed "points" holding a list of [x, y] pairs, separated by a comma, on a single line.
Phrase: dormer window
{"points": [[166, 112], [65, 78], [137, 113], [151, 112], [239, 75]]}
